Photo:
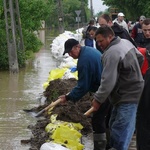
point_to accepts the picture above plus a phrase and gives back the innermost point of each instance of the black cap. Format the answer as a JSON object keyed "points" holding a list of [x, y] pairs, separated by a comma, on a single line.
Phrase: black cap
{"points": [[69, 44]]}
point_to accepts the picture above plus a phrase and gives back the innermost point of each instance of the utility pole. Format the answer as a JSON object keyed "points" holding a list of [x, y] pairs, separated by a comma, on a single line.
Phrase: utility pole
{"points": [[13, 26], [91, 4], [18, 27], [60, 16], [82, 13]]}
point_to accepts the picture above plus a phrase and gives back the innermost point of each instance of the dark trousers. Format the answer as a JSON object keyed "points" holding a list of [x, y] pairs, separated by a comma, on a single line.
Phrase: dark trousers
{"points": [[100, 118], [143, 133], [143, 117]]}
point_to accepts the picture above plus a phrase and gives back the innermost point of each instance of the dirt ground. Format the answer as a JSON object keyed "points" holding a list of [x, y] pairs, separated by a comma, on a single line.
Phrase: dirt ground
{"points": [[71, 112]]}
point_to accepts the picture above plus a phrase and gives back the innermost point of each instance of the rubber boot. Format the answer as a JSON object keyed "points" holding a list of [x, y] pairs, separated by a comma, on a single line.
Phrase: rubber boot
{"points": [[108, 139], [100, 141]]}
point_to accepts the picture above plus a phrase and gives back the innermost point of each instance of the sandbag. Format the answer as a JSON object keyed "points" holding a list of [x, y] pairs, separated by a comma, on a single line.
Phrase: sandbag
{"points": [[52, 146]]}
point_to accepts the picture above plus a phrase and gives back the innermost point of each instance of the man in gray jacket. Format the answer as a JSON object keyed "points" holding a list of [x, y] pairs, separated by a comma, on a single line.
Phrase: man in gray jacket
{"points": [[122, 82]]}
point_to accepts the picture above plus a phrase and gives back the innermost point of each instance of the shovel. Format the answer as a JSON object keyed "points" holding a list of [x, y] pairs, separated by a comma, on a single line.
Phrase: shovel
{"points": [[88, 113], [45, 109]]}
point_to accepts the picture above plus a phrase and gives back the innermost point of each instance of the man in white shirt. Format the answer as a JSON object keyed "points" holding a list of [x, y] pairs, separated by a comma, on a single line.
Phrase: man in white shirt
{"points": [[120, 20]]}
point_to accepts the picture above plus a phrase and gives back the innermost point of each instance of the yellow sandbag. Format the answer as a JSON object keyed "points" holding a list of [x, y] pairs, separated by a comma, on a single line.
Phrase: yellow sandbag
{"points": [[55, 123], [77, 126], [65, 133], [45, 85], [56, 73], [68, 137], [50, 128]]}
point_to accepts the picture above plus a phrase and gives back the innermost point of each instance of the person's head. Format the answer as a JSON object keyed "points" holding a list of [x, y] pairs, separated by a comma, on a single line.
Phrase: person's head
{"points": [[120, 16], [141, 19], [92, 32], [72, 47], [105, 19], [146, 27], [91, 22], [104, 35]]}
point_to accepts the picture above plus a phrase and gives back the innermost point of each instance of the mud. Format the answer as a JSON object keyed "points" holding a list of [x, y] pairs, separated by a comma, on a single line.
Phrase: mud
{"points": [[70, 112]]}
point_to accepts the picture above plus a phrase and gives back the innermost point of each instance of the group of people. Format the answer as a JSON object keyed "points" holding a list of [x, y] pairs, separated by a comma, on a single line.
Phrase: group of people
{"points": [[111, 71]]}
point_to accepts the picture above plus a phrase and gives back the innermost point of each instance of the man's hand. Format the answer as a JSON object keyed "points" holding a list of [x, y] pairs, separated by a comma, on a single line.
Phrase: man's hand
{"points": [[63, 99], [96, 105]]}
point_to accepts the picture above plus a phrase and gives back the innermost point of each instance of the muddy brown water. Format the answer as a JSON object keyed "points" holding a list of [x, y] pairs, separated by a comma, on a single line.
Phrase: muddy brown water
{"points": [[21, 91]]}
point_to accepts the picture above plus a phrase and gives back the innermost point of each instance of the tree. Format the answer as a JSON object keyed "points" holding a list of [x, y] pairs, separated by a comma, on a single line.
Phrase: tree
{"points": [[32, 12], [131, 8], [70, 7]]}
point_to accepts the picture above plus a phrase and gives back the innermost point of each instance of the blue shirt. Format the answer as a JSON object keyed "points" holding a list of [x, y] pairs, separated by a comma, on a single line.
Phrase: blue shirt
{"points": [[89, 69]]}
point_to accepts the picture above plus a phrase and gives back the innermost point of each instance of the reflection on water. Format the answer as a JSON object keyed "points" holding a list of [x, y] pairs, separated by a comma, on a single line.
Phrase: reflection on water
{"points": [[19, 91]]}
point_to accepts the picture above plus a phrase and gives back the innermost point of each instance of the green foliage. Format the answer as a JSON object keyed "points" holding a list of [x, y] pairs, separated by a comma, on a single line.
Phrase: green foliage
{"points": [[68, 13], [54, 95], [32, 12], [4, 59], [145, 6], [3, 47], [29, 54], [69, 8], [4, 64], [132, 9], [21, 58], [31, 42]]}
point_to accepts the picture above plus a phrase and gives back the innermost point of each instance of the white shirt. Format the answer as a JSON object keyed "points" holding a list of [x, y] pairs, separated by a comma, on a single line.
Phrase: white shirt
{"points": [[122, 23]]}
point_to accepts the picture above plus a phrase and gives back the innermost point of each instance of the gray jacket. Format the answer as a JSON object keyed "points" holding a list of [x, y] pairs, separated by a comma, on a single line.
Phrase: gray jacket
{"points": [[121, 80]]}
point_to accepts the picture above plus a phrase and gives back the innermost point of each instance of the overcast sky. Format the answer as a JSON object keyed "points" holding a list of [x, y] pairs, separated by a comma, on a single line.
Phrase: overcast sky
{"points": [[98, 6]]}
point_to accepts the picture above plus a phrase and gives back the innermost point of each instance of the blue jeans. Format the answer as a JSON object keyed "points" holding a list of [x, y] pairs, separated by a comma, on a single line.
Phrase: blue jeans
{"points": [[122, 125]]}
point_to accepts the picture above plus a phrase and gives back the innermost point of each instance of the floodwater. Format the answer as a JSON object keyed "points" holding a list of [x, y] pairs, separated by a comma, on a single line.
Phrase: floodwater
{"points": [[21, 91]]}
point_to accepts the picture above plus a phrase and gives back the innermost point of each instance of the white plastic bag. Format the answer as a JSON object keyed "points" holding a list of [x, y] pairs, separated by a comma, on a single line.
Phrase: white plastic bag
{"points": [[52, 146]]}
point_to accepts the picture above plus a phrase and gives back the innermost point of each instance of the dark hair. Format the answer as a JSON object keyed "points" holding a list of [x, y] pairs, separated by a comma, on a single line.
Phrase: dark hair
{"points": [[105, 31], [91, 22], [93, 28], [106, 17], [146, 21]]}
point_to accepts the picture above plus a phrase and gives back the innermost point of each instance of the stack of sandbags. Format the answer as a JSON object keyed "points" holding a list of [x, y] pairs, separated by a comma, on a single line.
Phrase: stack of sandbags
{"points": [[57, 46]]}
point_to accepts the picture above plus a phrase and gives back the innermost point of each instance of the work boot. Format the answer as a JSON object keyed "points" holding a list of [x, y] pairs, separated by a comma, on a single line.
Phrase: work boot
{"points": [[108, 139], [100, 141]]}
